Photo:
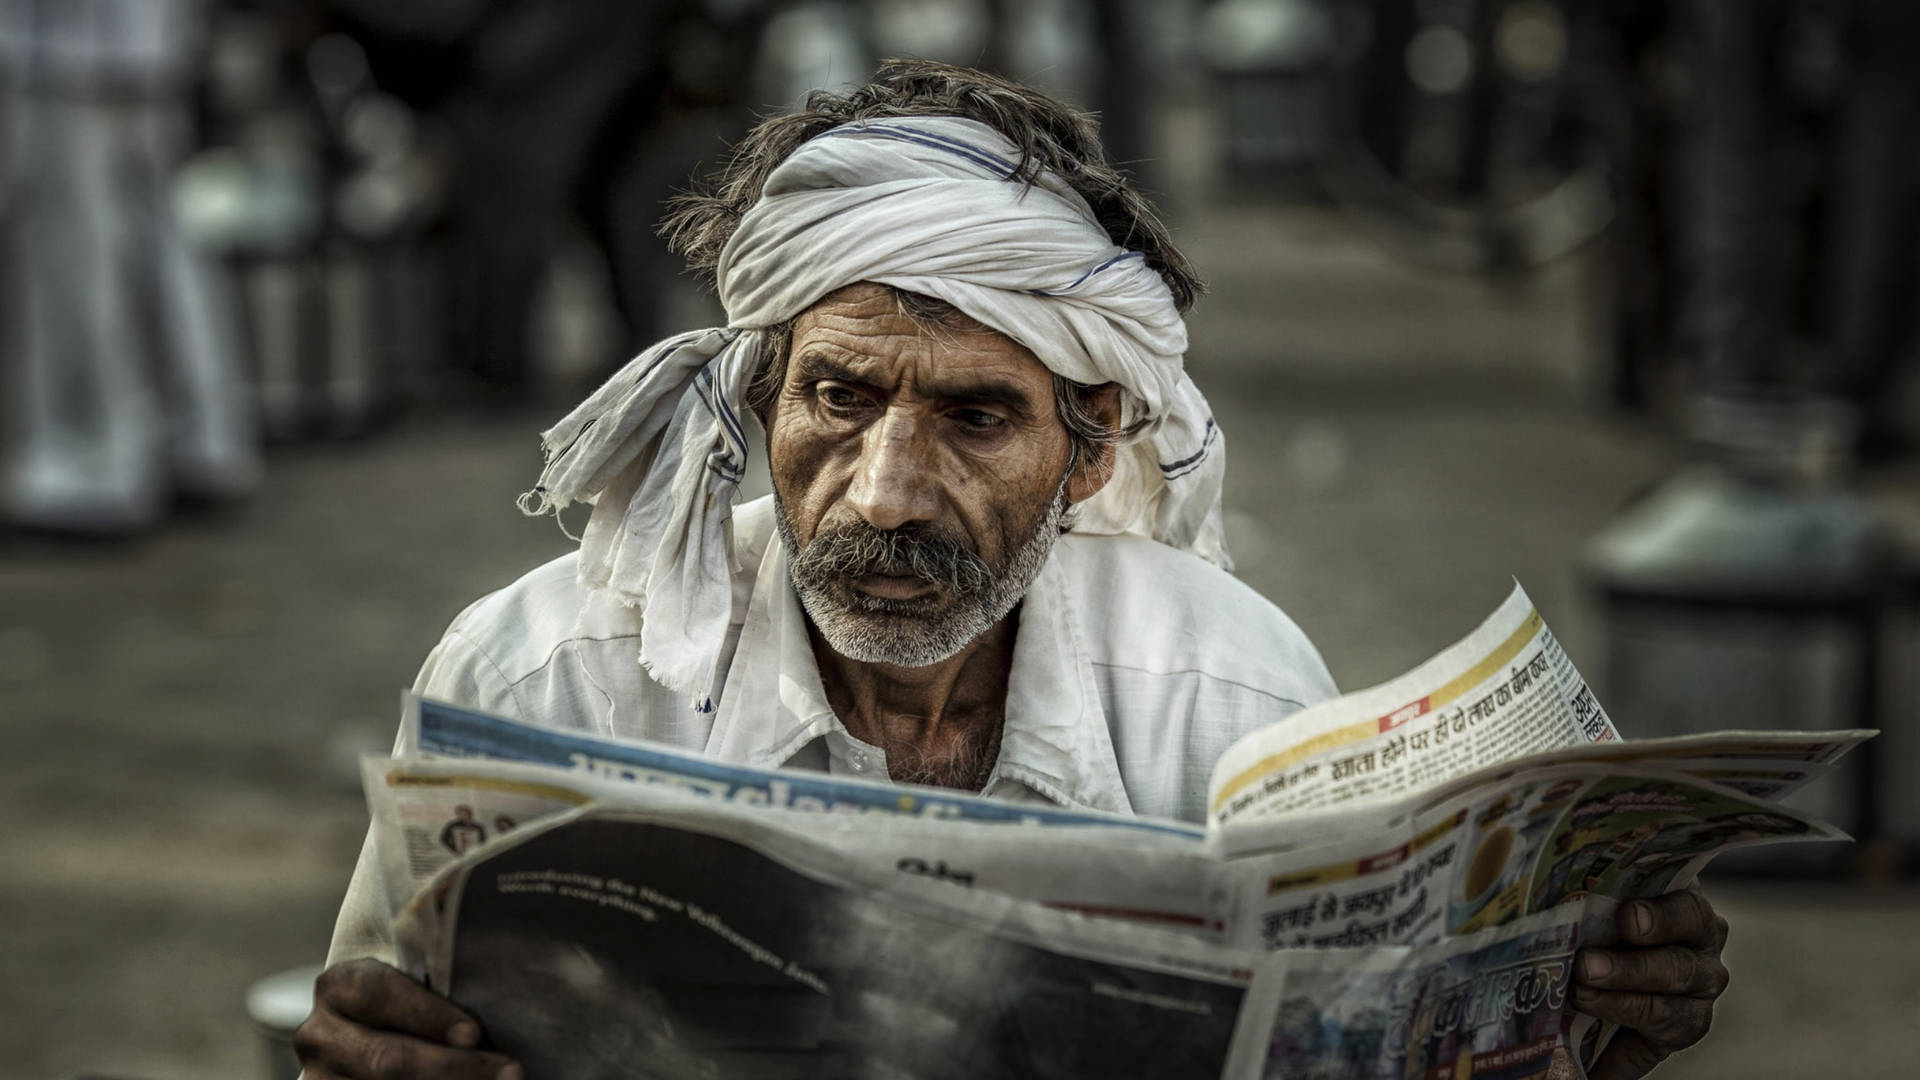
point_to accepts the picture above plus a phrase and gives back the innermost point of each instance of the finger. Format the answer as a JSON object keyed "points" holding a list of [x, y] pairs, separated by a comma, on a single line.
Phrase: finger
{"points": [[376, 995], [1670, 1022], [384, 1055], [331, 1046], [1628, 1057], [316, 1042], [1665, 969], [1683, 917]]}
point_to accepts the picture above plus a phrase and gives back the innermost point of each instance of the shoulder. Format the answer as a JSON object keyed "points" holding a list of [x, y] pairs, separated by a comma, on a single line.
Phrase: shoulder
{"points": [[1155, 609], [505, 637], [550, 649], [545, 650], [519, 628]]}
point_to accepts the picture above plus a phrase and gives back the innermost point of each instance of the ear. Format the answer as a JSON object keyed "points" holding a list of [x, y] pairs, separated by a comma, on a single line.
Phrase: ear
{"points": [[1090, 476]]}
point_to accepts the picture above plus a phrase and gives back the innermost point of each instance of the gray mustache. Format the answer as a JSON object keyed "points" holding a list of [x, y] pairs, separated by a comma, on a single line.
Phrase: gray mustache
{"points": [[915, 551]]}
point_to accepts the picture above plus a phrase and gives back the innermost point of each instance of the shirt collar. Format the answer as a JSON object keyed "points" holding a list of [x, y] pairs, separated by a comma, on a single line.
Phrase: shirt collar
{"points": [[1055, 740]]}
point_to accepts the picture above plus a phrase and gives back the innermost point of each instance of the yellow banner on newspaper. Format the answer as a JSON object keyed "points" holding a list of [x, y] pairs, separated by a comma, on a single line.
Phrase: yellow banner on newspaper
{"points": [[1490, 665], [487, 783]]}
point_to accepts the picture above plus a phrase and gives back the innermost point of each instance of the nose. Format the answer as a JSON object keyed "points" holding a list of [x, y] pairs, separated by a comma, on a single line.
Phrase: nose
{"points": [[894, 482]]}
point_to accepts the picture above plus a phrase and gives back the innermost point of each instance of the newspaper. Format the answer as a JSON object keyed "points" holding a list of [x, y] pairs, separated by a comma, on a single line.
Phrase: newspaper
{"points": [[1390, 884], [548, 914]]}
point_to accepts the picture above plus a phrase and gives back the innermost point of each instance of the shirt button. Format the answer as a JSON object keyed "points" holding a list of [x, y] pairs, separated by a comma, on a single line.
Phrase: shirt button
{"points": [[859, 762]]}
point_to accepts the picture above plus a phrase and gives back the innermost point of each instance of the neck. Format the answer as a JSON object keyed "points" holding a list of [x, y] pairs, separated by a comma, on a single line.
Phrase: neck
{"points": [[939, 724]]}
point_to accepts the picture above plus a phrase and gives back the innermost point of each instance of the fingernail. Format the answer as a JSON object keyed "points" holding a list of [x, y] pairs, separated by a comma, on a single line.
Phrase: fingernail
{"points": [[464, 1033], [1596, 965], [1584, 994], [1642, 917], [513, 1071]]}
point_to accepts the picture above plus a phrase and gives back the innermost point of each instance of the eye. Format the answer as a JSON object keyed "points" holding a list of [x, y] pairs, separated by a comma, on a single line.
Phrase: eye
{"points": [[839, 399], [977, 420]]}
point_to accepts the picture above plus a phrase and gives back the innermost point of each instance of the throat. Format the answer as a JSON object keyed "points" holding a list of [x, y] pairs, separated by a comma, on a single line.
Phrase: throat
{"points": [[939, 725]]}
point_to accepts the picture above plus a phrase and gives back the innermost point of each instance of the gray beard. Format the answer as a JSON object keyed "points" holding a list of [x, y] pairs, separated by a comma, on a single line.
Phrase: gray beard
{"points": [[921, 631]]}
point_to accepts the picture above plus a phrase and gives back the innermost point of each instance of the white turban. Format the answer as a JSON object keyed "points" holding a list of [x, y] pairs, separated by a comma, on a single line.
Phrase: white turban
{"points": [[931, 205]]}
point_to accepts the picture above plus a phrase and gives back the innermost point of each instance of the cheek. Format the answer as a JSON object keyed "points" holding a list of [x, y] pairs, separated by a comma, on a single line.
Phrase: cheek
{"points": [[796, 463], [1014, 493]]}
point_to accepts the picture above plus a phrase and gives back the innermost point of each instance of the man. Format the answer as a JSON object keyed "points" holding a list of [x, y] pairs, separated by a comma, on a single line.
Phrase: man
{"points": [[956, 359], [463, 834]]}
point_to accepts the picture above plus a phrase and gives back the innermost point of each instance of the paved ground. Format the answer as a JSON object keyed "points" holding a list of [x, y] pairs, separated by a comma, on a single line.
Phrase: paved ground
{"points": [[183, 713]]}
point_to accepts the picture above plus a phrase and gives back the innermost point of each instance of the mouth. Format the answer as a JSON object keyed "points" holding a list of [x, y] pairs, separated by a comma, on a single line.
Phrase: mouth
{"points": [[892, 586]]}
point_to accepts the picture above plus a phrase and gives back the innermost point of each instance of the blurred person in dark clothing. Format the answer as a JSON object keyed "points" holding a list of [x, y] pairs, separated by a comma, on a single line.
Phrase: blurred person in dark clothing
{"points": [[556, 110], [122, 384], [1742, 207], [1764, 503], [1875, 264]]}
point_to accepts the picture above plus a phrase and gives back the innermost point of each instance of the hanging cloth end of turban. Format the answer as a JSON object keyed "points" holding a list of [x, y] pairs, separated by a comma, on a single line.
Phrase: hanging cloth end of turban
{"points": [[659, 451]]}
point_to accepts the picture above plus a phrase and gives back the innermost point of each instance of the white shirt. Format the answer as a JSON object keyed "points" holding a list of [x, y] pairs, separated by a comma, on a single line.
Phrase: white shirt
{"points": [[1134, 666]]}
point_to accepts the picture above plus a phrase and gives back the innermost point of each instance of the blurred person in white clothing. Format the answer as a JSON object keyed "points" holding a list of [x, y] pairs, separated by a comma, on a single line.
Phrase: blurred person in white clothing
{"points": [[122, 383]]}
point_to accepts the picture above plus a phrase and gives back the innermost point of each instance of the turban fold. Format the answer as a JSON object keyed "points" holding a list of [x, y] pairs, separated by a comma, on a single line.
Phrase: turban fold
{"points": [[930, 205]]}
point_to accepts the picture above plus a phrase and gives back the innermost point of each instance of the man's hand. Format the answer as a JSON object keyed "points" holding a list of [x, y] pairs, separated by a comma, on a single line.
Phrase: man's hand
{"points": [[371, 1022], [1659, 985]]}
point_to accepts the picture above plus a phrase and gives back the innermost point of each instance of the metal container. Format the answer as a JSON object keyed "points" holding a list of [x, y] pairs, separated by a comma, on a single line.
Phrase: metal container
{"points": [[277, 1005]]}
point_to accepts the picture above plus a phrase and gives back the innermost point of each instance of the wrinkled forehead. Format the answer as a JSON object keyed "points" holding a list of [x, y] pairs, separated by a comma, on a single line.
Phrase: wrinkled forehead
{"points": [[873, 300], [882, 336]]}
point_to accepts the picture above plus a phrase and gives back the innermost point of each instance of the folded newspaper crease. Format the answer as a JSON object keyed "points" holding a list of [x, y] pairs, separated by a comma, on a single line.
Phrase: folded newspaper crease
{"points": [[1390, 884]]}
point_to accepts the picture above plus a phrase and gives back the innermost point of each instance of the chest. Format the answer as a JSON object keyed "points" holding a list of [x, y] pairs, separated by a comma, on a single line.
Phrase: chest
{"points": [[958, 751]]}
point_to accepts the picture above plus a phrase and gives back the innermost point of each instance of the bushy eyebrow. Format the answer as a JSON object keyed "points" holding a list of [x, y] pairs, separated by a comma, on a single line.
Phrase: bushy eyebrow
{"points": [[812, 365]]}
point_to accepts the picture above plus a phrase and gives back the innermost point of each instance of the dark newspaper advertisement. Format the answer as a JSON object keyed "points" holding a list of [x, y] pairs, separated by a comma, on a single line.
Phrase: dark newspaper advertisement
{"points": [[616, 946]]}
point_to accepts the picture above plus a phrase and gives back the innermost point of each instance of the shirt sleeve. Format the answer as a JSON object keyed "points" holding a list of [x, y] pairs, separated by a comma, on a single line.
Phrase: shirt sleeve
{"points": [[459, 672]]}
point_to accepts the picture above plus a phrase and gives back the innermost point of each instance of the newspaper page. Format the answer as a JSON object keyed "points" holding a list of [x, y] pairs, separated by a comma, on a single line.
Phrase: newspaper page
{"points": [[610, 943], [1498, 852], [428, 813], [1502, 692], [435, 729], [1766, 765]]}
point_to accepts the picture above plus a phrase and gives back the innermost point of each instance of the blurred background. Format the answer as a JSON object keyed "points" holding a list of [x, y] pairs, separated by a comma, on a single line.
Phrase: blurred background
{"points": [[1615, 298]]}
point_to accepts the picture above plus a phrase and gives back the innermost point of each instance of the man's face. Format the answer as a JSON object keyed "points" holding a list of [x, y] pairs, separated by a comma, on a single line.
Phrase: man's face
{"points": [[920, 475]]}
